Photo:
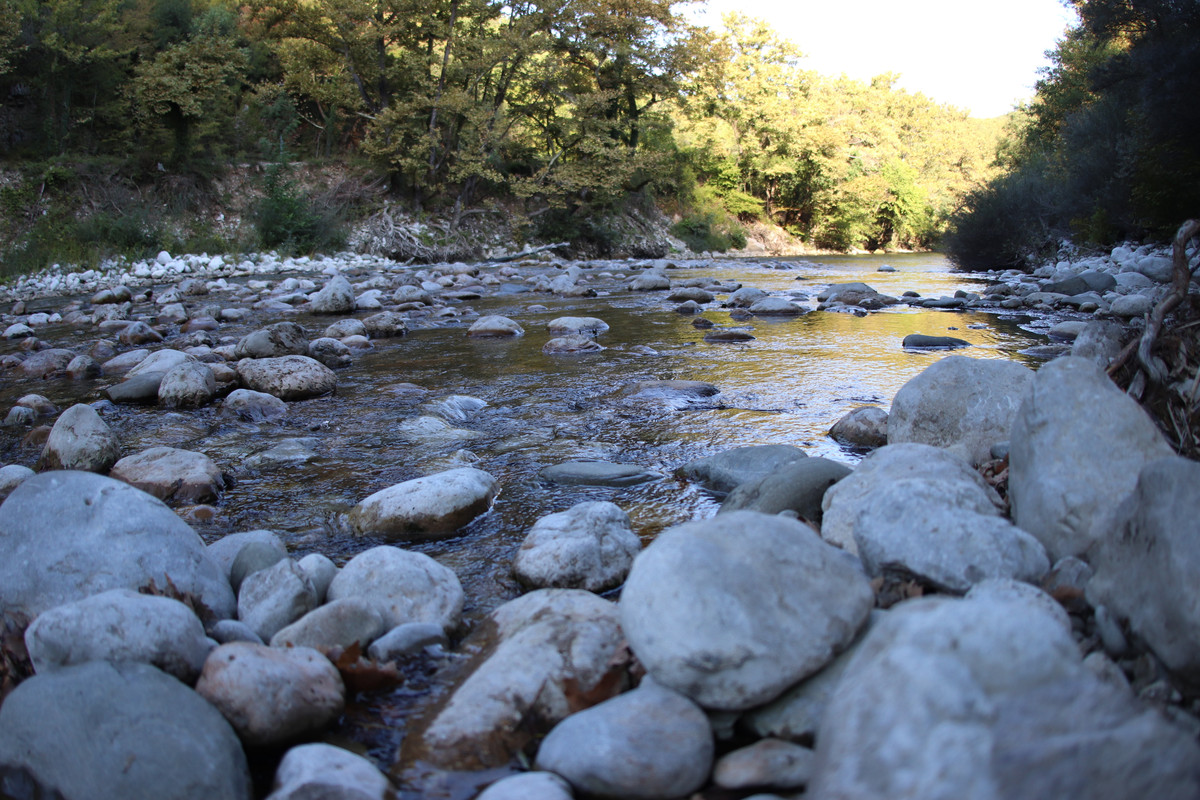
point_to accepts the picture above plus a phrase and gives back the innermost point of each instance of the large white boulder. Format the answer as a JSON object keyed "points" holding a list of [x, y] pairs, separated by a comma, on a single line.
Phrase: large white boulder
{"points": [[1078, 444], [732, 611], [964, 404]]}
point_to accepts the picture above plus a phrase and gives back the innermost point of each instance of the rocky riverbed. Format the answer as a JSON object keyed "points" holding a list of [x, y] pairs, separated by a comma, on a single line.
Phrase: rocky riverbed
{"points": [[254, 542]]}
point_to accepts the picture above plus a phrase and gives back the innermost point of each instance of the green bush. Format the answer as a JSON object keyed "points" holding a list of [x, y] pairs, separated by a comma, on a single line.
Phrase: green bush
{"points": [[708, 231], [287, 220]]}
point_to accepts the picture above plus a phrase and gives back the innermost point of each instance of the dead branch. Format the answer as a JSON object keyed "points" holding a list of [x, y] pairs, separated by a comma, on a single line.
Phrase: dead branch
{"points": [[1180, 280]]}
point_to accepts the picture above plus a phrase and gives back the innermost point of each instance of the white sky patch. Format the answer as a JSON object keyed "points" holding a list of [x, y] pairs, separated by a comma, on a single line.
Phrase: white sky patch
{"points": [[982, 57]]}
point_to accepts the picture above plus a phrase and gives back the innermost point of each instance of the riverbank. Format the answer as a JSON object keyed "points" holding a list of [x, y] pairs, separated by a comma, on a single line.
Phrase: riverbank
{"points": [[213, 348]]}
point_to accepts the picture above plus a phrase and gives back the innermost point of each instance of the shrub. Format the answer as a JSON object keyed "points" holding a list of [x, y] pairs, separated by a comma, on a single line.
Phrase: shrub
{"points": [[285, 219]]}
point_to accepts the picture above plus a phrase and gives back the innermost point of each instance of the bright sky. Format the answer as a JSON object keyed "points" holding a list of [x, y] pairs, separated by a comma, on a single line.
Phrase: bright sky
{"points": [[980, 56]]}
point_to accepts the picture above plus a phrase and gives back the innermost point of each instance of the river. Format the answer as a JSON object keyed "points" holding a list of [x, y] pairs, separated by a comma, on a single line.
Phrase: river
{"points": [[788, 385]]}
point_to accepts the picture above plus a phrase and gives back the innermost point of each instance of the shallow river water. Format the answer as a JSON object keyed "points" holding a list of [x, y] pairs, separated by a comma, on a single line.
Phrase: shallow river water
{"points": [[787, 386]]}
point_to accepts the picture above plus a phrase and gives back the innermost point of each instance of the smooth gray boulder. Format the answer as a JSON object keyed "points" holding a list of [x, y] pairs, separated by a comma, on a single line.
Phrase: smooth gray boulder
{"points": [[649, 743], [160, 361], [68, 535], [272, 694], [114, 731], [545, 642], [341, 623], [188, 385], [528, 786], [733, 610], [894, 462], [335, 297], [862, 427], [724, 471], [46, 363], [1146, 557], [171, 474], [959, 403], [1078, 443], [141, 388], [80, 440], [650, 282], [796, 714], [403, 586], [745, 297], [946, 532], [798, 486], [589, 546], [321, 571], [431, 507], [767, 762], [324, 772], [988, 697], [225, 551], [253, 557], [119, 625], [287, 377], [275, 597], [597, 473], [385, 325], [346, 327]]}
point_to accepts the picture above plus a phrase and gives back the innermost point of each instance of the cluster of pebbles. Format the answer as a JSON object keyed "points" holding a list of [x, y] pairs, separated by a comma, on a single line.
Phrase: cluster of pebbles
{"points": [[900, 628]]}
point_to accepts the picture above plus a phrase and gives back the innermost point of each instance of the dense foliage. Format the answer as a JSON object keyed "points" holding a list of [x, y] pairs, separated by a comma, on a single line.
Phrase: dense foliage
{"points": [[561, 110], [1108, 150]]}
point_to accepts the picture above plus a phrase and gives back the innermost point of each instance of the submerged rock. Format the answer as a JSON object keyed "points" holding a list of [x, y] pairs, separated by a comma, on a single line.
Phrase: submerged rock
{"points": [[920, 341], [597, 473]]}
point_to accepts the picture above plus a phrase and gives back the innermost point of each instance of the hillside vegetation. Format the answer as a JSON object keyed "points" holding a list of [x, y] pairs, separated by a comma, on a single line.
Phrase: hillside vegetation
{"points": [[122, 119], [1108, 150]]}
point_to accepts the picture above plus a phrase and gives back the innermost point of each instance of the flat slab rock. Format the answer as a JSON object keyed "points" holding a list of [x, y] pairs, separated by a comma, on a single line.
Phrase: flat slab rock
{"points": [[597, 473]]}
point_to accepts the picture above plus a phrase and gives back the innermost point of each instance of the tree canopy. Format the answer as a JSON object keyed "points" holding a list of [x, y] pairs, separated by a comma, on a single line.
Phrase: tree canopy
{"points": [[1108, 148], [562, 109]]}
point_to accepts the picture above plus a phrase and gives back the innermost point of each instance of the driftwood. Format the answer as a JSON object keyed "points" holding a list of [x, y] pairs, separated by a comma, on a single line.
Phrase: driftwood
{"points": [[1161, 367], [1154, 370], [527, 253]]}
